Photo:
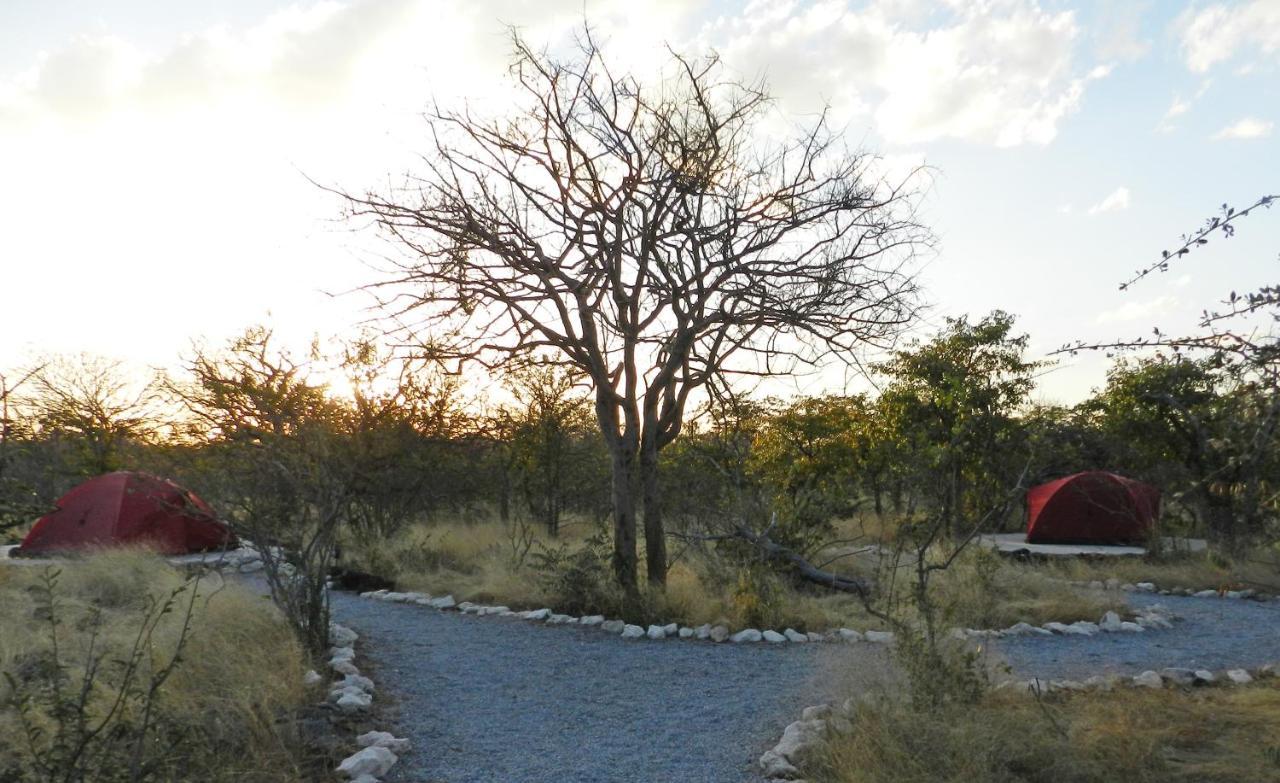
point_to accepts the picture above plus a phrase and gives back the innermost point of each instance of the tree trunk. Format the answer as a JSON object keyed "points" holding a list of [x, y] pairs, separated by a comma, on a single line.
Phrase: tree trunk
{"points": [[655, 542], [624, 520]]}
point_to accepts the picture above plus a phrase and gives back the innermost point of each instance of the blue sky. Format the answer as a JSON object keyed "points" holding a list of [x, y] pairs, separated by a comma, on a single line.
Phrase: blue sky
{"points": [[153, 152]]}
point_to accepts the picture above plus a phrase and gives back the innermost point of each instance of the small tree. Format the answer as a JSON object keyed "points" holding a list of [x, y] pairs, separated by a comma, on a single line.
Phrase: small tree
{"points": [[647, 236]]}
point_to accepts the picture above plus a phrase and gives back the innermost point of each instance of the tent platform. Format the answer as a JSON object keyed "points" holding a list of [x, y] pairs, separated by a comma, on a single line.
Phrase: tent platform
{"points": [[1016, 543]]}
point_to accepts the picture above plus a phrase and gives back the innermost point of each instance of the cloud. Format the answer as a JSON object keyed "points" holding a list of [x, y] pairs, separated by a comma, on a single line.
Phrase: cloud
{"points": [[1115, 201], [1118, 30], [1217, 33], [998, 72], [1247, 128], [1136, 311]]}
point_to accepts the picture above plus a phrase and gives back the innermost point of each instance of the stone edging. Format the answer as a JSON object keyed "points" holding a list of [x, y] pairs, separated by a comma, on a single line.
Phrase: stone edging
{"points": [[352, 695], [1185, 592], [799, 741], [1155, 616]]}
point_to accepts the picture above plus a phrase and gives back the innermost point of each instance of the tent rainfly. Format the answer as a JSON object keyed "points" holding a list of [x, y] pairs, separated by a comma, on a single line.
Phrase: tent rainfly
{"points": [[129, 508], [1092, 508]]}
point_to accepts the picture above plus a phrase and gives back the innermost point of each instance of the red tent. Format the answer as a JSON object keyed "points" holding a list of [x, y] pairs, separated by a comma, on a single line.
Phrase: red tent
{"points": [[129, 508], [1092, 508]]}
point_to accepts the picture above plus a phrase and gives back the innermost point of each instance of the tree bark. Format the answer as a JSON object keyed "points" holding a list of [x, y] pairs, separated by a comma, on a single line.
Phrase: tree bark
{"points": [[655, 542], [624, 520]]}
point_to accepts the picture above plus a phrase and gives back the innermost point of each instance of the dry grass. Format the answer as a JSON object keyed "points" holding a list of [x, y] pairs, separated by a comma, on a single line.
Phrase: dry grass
{"points": [[476, 562], [1212, 735], [234, 691], [1212, 570]]}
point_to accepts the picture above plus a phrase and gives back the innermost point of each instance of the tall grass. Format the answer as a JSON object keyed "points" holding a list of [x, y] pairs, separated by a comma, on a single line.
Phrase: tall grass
{"points": [[232, 696], [1212, 735]]}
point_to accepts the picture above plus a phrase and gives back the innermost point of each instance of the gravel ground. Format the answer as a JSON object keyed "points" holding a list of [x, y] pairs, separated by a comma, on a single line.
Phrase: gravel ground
{"points": [[1210, 633], [497, 699]]}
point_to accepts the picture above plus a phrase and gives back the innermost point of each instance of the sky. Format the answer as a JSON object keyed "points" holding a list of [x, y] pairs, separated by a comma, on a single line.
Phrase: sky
{"points": [[158, 161]]}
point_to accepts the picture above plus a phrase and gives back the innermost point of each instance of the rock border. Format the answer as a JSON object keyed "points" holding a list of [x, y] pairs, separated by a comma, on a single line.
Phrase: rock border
{"points": [[1184, 592], [1148, 618], [353, 695], [802, 738]]}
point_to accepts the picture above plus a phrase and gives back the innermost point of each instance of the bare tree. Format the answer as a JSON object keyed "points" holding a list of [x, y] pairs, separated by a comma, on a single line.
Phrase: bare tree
{"points": [[656, 237]]}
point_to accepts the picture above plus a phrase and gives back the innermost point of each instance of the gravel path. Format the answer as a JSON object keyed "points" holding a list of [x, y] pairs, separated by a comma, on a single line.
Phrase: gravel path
{"points": [[1210, 633], [497, 699]]}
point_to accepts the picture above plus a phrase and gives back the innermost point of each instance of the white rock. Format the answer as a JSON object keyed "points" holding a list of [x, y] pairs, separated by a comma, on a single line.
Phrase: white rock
{"points": [[686, 633], [1024, 629], [312, 678], [536, 614], [466, 607], [561, 619], [1239, 676], [670, 629], [342, 653], [612, 626], [879, 637], [354, 701], [373, 761], [1207, 594], [443, 602], [1205, 677], [1233, 594], [702, 632], [799, 740], [1178, 675], [383, 739], [365, 779], [1082, 628], [747, 635], [1110, 622], [795, 636], [1131, 627], [773, 637], [776, 767], [344, 667], [849, 635], [592, 620], [1097, 682], [632, 632], [816, 712], [1145, 587], [1148, 679], [357, 681], [1056, 627], [719, 633], [1128, 588], [342, 636], [814, 636], [656, 632], [500, 610]]}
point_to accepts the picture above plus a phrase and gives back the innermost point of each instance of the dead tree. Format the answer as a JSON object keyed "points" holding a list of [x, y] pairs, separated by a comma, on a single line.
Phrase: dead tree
{"points": [[655, 237]]}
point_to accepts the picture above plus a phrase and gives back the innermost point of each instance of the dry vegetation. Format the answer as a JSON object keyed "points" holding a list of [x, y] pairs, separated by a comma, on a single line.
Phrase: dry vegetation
{"points": [[1211, 735], [231, 698], [1211, 570], [482, 562]]}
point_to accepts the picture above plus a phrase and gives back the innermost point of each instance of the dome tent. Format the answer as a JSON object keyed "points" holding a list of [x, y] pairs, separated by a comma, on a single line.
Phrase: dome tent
{"points": [[128, 508], [1095, 507]]}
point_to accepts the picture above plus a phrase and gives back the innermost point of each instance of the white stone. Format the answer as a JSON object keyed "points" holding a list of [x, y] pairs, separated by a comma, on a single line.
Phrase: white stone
{"points": [[816, 712], [466, 607], [776, 767], [342, 636], [1128, 588], [773, 637], [353, 701], [383, 739], [632, 632], [747, 635], [1110, 622], [373, 761], [1233, 594], [1148, 679], [1239, 676], [1056, 627], [1205, 677], [357, 681], [670, 629], [536, 614], [344, 667], [799, 740], [879, 637], [1131, 627], [719, 633], [795, 636], [592, 620], [656, 632], [1082, 628], [814, 636], [702, 632], [561, 619], [1145, 587], [443, 602], [850, 635], [342, 653], [1097, 585], [686, 633], [1207, 594], [1178, 675], [312, 678], [613, 626]]}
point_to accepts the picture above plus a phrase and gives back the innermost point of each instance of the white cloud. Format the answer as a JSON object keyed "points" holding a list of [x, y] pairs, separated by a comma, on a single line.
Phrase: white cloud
{"points": [[1247, 128], [1118, 30], [1219, 32], [1115, 201], [1136, 311], [997, 72]]}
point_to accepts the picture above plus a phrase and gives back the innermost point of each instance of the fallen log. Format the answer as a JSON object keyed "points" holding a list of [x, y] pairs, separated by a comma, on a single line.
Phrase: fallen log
{"points": [[806, 570]]}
